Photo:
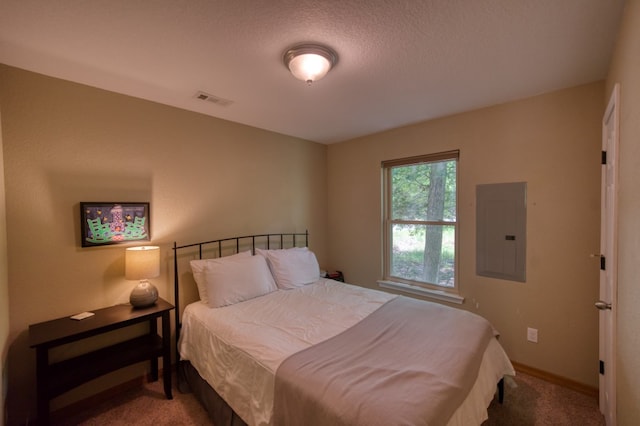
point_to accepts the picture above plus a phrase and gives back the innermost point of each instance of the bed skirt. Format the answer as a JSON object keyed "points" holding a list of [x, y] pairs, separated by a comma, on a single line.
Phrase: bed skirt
{"points": [[189, 381]]}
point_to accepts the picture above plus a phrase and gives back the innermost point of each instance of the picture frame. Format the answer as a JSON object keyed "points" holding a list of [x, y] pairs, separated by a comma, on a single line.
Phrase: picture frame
{"points": [[105, 223]]}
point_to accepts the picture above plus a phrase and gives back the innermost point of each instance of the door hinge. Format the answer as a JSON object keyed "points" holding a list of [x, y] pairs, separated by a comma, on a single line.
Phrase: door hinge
{"points": [[602, 263], [604, 157], [602, 367]]}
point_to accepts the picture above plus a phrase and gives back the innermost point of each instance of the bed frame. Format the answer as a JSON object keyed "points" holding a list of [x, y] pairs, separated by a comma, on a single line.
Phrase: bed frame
{"points": [[188, 379], [228, 246]]}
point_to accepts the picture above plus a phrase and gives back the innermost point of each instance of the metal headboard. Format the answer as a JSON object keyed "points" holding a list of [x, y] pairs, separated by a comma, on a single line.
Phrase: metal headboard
{"points": [[216, 248]]}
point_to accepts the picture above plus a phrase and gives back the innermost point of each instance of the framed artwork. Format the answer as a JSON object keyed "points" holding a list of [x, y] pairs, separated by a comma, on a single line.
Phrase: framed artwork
{"points": [[113, 223]]}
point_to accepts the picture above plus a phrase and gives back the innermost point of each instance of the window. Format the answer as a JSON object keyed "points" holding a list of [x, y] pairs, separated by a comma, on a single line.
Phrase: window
{"points": [[420, 227]]}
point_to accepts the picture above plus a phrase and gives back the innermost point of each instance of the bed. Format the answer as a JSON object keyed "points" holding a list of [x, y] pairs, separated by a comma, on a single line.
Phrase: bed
{"points": [[266, 340]]}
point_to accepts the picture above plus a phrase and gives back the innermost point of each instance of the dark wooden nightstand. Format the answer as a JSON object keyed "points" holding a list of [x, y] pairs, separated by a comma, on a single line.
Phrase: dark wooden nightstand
{"points": [[57, 378], [335, 275]]}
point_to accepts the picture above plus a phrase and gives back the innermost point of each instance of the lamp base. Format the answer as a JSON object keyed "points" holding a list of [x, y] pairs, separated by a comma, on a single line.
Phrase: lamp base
{"points": [[143, 295]]}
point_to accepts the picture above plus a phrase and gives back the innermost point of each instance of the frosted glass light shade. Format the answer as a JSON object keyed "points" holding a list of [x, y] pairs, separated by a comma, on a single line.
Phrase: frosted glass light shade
{"points": [[310, 62], [309, 67], [142, 263]]}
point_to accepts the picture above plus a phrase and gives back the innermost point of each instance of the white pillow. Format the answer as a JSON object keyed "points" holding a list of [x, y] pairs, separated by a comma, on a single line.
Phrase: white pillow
{"points": [[198, 266], [239, 279], [293, 267]]}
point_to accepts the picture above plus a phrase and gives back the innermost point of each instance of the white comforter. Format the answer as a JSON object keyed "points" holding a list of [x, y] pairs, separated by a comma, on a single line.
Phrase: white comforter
{"points": [[237, 349]]}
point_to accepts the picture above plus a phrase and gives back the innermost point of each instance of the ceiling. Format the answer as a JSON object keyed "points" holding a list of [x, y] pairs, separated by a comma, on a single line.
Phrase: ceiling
{"points": [[400, 61]]}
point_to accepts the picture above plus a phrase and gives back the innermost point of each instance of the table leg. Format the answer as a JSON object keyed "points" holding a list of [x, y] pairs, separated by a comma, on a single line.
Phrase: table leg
{"points": [[42, 379], [153, 330], [166, 354]]}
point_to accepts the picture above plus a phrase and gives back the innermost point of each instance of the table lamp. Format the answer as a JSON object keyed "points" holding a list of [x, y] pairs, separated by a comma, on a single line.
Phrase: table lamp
{"points": [[142, 263]]}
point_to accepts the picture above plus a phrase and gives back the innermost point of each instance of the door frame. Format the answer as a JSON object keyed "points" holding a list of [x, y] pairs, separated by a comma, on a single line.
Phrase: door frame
{"points": [[609, 250]]}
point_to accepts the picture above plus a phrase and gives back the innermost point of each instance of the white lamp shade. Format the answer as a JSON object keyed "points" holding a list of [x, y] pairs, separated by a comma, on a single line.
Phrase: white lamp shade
{"points": [[142, 262]]}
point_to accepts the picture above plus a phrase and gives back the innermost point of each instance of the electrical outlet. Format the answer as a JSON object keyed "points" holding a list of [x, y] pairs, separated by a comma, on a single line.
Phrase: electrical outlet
{"points": [[532, 335]]}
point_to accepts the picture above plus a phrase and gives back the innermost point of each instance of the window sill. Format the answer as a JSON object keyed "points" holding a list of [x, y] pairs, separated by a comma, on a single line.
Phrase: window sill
{"points": [[421, 291]]}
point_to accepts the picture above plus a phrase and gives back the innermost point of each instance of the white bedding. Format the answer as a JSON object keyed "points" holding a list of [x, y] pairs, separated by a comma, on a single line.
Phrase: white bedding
{"points": [[237, 349]]}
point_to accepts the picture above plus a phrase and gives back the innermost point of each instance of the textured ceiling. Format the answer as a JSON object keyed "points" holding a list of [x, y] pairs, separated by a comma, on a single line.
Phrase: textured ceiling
{"points": [[401, 61]]}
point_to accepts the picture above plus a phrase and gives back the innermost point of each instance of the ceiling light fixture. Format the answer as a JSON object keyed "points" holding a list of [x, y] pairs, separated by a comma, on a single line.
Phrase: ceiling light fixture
{"points": [[309, 62]]}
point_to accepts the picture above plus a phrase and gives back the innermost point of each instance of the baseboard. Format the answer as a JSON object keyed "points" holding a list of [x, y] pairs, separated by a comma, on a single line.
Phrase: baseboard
{"points": [[557, 380]]}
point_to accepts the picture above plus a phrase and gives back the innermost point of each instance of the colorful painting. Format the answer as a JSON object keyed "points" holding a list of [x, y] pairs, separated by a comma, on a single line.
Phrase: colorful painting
{"points": [[113, 223]]}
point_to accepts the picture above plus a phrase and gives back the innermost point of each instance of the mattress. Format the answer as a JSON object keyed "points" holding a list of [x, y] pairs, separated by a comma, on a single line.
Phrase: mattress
{"points": [[237, 349]]}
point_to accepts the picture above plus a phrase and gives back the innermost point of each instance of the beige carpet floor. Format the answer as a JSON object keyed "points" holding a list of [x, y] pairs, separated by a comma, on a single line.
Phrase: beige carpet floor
{"points": [[537, 402], [528, 401]]}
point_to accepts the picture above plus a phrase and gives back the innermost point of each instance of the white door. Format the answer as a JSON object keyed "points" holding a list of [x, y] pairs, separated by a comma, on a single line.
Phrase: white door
{"points": [[608, 249]]}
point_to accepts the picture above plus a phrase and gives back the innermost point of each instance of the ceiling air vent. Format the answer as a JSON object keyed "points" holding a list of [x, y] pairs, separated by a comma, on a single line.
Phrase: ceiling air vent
{"points": [[213, 99]]}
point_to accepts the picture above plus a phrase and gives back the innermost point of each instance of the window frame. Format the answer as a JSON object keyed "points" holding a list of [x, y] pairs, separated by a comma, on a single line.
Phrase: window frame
{"points": [[387, 223]]}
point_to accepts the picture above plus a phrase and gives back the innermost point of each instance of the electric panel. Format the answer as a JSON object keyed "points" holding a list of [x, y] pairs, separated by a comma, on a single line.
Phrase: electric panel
{"points": [[501, 225]]}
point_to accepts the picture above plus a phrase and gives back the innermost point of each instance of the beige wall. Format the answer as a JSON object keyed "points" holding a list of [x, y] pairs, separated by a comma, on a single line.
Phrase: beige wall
{"points": [[4, 290], [625, 69], [65, 143], [205, 178], [552, 142]]}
